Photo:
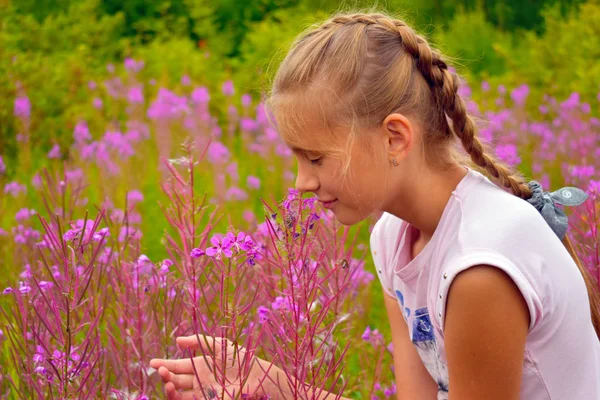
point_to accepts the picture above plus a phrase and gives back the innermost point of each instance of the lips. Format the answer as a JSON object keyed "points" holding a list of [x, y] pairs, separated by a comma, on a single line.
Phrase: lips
{"points": [[328, 204]]}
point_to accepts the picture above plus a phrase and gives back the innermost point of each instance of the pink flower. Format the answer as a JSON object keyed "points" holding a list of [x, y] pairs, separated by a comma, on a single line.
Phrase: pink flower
{"points": [[14, 188], [253, 182], [134, 196], [81, 133], [219, 246], [218, 153], [246, 100], [228, 89], [22, 107], [197, 253], [54, 152], [248, 124], [200, 95], [235, 193], [136, 95], [185, 80], [97, 103], [519, 95], [132, 65], [23, 214], [2, 166]]}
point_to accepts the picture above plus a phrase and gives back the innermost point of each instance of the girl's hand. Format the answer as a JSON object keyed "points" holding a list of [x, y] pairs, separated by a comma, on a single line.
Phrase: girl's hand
{"points": [[179, 375]]}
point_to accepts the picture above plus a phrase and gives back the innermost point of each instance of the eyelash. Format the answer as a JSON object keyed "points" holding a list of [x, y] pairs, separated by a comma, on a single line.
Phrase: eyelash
{"points": [[315, 161]]}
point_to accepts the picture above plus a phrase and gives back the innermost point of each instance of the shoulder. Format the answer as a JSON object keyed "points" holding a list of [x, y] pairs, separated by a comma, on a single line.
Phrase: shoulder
{"points": [[487, 324], [492, 214]]}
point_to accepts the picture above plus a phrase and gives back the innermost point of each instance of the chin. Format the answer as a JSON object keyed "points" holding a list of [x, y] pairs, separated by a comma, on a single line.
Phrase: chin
{"points": [[348, 218]]}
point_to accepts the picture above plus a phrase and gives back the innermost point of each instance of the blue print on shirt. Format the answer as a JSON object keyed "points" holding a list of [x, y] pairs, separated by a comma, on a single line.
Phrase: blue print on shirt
{"points": [[400, 297], [422, 328]]}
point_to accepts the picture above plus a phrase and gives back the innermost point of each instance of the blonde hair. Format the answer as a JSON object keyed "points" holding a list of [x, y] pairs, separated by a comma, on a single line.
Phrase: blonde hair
{"points": [[357, 68]]}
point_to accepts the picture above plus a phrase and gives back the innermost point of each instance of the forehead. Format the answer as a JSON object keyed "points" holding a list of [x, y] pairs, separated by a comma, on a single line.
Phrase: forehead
{"points": [[310, 125]]}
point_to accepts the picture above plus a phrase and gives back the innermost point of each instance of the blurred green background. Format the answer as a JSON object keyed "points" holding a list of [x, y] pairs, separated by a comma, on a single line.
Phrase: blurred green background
{"points": [[551, 45]]}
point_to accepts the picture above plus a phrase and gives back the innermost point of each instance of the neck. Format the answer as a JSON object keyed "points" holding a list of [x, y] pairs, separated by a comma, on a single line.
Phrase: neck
{"points": [[421, 201]]}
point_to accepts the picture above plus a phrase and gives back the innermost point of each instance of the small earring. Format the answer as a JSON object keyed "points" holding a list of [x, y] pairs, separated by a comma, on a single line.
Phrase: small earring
{"points": [[394, 162]]}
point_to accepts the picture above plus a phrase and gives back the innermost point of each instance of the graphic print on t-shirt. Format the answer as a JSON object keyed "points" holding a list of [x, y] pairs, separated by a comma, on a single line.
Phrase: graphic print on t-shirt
{"points": [[423, 337]]}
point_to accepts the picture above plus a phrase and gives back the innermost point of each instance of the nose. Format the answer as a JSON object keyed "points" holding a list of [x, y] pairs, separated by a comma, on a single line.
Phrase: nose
{"points": [[307, 180]]}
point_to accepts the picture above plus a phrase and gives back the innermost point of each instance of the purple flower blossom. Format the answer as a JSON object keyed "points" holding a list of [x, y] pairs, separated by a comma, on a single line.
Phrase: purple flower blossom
{"points": [[519, 95], [133, 65], [23, 214], [74, 174], [134, 196], [165, 265], [97, 103], [366, 336], [246, 100], [24, 288], [253, 182], [81, 133], [228, 89], [91, 85], [135, 95], [248, 124], [242, 242], [168, 105], [7, 290], [185, 80], [14, 188], [54, 151], [218, 153], [200, 95], [235, 193], [219, 246], [263, 314], [2, 166], [197, 253], [508, 154], [22, 107]]}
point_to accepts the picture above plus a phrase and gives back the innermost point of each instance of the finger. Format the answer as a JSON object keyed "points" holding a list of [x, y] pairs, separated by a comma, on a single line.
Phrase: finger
{"points": [[183, 366], [196, 342], [171, 392], [181, 381]]}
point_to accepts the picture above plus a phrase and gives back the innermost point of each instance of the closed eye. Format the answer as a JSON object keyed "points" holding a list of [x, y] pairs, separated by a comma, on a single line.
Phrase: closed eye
{"points": [[315, 161]]}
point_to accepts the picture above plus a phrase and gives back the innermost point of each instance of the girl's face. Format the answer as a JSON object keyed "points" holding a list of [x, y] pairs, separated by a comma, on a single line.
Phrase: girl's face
{"points": [[352, 195]]}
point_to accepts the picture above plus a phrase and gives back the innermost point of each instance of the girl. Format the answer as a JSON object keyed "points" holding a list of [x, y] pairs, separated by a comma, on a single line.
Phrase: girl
{"points": [[483, 298]]}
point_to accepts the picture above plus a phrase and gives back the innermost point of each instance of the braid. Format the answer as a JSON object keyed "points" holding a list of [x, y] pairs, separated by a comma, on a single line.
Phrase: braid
{"points": [[444, 86]]}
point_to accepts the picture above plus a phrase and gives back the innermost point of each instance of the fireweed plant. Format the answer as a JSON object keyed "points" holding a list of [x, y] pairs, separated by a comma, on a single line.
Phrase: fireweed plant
{"points": [[91, 310], [95, 285]]}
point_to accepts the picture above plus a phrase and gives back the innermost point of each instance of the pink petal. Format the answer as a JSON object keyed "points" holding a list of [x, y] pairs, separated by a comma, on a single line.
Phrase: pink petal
{"points": [[215, 241], [227, 253], [211, 251]]}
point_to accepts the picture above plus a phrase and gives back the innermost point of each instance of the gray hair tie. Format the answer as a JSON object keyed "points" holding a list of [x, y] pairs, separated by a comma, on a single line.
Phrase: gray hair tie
{"points": [[546, 204]]}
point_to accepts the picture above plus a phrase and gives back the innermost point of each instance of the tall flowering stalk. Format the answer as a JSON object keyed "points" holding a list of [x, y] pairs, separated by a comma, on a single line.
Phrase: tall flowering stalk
{"points": [[53, 324]]}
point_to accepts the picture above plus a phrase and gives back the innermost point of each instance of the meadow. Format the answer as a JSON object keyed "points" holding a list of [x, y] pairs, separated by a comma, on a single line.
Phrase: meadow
{"points": [[166, 206]]}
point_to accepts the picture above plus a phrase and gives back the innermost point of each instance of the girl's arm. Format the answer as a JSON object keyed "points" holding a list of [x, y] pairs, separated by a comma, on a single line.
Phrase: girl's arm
{"points": [[486, 327], [412, 379]]}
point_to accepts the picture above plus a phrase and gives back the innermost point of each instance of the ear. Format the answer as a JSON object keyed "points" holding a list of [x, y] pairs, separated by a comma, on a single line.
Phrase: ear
{"points": [[399, 135]]}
